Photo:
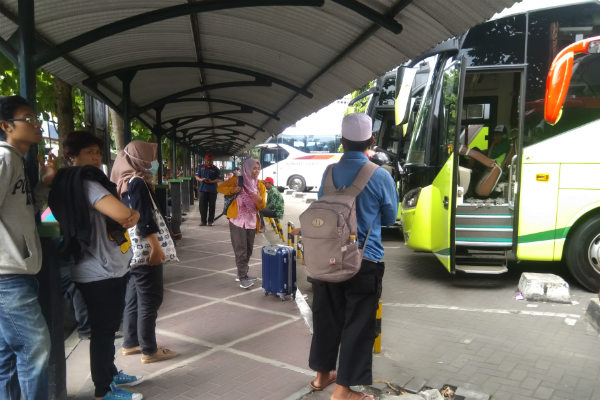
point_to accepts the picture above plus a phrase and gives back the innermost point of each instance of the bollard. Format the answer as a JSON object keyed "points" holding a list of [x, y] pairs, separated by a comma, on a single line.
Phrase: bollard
{"points": [[272, 223], [290, 238], [300, 249], [280, 231], [377, 344]]}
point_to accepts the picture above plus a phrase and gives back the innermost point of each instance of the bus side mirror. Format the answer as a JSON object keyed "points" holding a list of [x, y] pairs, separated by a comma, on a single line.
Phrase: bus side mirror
{"points": [[557, 86], [405, 77], [559, 76]]}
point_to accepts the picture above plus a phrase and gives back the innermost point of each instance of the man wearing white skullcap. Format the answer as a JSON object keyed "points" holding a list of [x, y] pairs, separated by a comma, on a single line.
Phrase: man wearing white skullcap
{"points": [[344, 313]]}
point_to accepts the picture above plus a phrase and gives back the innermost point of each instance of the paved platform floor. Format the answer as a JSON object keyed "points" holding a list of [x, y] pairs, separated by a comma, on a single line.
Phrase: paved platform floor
{"points": [[233, 343]]}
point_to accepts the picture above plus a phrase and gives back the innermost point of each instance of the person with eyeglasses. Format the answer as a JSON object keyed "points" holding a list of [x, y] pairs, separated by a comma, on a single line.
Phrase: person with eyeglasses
{"points": [[24, 337]]}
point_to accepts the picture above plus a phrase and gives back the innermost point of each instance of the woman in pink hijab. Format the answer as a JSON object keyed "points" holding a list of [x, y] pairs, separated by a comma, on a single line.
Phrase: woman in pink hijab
{"points": [[244, 219], [144, 293]]}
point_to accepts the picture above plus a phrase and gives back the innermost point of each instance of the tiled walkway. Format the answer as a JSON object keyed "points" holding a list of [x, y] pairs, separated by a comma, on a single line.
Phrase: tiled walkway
{"points": [[233, 343]]}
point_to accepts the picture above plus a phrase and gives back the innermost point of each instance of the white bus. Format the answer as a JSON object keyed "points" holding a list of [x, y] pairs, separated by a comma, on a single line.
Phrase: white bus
{"points": [[292, 168]]}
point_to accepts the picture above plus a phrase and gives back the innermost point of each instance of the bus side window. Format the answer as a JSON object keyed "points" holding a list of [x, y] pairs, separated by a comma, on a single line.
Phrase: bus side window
{"points": [[282, 155]]}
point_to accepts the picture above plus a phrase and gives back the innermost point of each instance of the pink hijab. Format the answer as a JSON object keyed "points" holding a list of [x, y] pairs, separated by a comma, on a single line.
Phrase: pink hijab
{"points": [[134, 160], [246, 204], [250, 184]]}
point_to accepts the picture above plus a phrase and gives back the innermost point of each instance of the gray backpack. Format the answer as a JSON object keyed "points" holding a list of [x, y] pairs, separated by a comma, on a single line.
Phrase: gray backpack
{"points": [[329, 229]]}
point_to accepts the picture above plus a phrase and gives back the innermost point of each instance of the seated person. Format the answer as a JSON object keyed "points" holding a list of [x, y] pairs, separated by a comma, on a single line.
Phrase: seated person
{"points": [[274, 208], [499, 145], [486, 172]]}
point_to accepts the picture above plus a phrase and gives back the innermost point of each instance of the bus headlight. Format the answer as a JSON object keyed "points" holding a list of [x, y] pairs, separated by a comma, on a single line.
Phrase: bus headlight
{"points": [[411, 198]]}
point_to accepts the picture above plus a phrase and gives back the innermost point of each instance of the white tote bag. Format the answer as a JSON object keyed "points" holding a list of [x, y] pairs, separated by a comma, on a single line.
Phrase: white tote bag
{"points": [[140, 246]]}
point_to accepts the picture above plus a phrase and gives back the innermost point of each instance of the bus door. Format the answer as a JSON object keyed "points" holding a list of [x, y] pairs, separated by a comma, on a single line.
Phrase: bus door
{"points": [[446, 115]]}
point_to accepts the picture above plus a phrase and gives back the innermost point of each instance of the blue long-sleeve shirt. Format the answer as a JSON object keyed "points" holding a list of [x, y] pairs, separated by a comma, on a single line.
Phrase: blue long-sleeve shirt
{"points": [[377, 203]]}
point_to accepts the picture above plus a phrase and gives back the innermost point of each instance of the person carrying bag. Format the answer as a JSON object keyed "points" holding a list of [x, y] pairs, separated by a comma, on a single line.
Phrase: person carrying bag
{"points": [[132, 172]]}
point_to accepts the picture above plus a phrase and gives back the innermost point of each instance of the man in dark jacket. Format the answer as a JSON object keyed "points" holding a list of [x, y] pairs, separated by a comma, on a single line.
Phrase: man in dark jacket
{"points": [[207, 175]]}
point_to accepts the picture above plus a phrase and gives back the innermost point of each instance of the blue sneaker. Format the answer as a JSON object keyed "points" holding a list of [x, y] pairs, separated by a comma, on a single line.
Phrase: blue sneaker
{"points": [[120, 394], [122, 379]]}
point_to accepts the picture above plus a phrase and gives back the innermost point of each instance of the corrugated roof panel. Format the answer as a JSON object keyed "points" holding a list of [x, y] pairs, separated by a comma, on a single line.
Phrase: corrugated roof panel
{"points": [[150, 85], [77, 16], [7, 27]]}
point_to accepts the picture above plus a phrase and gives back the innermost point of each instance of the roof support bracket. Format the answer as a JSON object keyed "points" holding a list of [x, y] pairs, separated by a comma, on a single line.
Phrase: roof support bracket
{"points": [[385, 21]]}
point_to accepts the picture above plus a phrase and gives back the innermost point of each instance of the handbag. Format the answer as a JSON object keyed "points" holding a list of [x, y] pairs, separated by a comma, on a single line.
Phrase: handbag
{"points": [[140, 246], [228, 199]]}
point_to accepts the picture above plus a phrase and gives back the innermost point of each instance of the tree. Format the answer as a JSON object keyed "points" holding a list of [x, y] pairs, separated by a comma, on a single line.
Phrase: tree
{"points": [[54, 97], [361, 105], [64, 113]]}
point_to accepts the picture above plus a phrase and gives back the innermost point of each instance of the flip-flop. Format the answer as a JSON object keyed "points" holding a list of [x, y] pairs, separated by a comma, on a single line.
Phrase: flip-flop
{"points": [[319, 388]]}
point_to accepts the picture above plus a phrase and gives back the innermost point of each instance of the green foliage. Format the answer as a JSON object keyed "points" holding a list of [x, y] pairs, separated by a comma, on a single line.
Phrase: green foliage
{"points": [[9, 77], [44, 97], [361, 105], [139, 131], [78, 109]]}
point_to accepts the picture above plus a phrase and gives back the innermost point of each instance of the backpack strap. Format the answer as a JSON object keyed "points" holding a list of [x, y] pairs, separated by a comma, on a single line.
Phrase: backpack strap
{"points": [[362, 178], [328, 186]]}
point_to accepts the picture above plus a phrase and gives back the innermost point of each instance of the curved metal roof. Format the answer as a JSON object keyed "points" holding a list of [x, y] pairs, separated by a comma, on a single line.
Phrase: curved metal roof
{"points": [[226, 74]]}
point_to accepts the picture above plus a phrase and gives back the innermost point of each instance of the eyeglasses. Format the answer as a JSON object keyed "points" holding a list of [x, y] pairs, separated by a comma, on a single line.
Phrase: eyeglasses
{"points": [[29, 120]]}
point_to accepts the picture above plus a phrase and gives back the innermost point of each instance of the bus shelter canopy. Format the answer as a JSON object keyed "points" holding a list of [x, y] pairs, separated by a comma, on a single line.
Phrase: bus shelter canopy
{"points": [[223, 75]]}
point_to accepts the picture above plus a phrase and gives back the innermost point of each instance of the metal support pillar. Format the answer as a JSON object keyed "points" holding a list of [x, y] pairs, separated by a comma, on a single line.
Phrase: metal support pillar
{"points": [[175, 185], [174, 155], [184, 161], [49, 295], [126, 79], [158, 133], [27, 76]]}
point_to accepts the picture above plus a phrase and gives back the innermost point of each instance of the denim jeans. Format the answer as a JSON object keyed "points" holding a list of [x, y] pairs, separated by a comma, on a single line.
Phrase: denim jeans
{"points": [[143, 298], [24, 340], [104, 299]]}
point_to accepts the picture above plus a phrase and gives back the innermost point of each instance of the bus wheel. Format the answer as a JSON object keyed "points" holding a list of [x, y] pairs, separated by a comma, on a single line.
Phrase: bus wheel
{"points": [[583, 254], [297, 183]]}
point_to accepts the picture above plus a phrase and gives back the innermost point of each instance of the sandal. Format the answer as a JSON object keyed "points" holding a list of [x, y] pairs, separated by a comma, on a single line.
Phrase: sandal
{"points": [[327, 383]]}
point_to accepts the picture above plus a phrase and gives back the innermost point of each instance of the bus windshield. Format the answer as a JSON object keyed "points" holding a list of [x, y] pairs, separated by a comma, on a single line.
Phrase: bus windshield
{"points": [[418, 141]]}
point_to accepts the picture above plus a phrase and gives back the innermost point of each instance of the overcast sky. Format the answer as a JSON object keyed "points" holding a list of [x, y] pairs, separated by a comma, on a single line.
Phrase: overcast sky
{"points": [[326, 121]]}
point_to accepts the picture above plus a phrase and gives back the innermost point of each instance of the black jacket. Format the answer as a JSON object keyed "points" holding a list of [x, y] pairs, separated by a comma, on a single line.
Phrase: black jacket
{"points": [[70, 207]]}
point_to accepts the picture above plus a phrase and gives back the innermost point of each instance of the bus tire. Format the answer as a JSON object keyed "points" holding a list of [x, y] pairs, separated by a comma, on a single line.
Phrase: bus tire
{"points": [[297, 183], [583, 254]]}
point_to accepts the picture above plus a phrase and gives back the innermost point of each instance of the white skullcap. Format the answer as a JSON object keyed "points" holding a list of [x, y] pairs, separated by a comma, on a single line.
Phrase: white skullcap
{"points": [[357, 127]]}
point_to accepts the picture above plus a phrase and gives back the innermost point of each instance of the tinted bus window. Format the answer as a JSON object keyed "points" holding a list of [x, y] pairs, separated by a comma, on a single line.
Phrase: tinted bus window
{"points": [[387, 95], [497, 42], [418, 140], [549, 32]]}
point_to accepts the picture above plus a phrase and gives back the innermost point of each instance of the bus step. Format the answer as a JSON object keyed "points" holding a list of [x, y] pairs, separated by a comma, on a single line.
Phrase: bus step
{"points": [[482, 269], [477, 256], [483, 209], [482, 242]]}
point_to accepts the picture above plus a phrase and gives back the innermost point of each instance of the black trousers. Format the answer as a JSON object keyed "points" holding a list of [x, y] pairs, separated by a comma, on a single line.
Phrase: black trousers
{"points": [[104, 301], [206, 204], [268, 213], [344, 320], [143, 298]]}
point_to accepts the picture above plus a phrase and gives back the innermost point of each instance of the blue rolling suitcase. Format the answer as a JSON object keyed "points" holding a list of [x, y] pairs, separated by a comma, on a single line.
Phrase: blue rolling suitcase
{"points": [[279, 270]]}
